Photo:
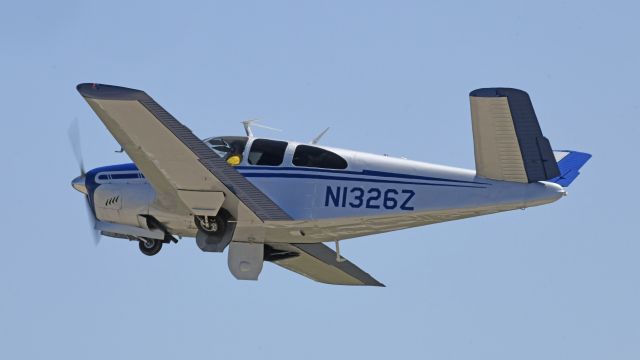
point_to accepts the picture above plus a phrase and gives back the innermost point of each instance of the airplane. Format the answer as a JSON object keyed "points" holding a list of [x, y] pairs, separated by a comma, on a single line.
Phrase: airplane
{"points": [[280, 201]]}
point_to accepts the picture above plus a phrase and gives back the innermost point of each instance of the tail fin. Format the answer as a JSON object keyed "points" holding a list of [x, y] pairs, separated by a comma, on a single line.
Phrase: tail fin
{"points": [[508, 141], [569, 163]]}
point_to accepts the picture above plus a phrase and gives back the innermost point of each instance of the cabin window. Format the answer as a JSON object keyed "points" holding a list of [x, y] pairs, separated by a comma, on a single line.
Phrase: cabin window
{"points": [[267, 152], [311, 156]]}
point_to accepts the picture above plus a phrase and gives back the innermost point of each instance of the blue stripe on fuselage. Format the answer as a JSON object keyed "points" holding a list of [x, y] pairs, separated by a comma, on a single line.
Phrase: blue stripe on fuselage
{"points": [[294, 173], [254, 173], [345, 178], [245, 171]]}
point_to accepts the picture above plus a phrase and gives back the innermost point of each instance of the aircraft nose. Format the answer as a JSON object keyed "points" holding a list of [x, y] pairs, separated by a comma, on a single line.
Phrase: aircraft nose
{"points": [[78, 184]]}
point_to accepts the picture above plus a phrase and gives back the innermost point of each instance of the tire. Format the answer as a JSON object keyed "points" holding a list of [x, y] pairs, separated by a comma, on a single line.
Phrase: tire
{"points": [[151, 247], [217, 225]]}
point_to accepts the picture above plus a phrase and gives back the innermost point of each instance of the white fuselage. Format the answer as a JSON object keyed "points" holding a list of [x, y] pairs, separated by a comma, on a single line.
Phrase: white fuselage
{"points": [[373, 194]]}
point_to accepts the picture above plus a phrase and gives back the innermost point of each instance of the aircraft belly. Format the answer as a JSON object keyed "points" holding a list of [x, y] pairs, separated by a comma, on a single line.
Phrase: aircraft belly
{"points": [[323, 230]]}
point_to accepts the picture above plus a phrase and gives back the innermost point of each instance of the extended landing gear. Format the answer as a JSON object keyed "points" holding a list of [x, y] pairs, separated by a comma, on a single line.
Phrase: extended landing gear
{"points": [[214, 232], [211, 225], [150, 247]]}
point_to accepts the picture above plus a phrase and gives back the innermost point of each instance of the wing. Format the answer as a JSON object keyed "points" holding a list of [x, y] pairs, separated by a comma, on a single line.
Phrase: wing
{"points": [[185, 172], [318, 262]]}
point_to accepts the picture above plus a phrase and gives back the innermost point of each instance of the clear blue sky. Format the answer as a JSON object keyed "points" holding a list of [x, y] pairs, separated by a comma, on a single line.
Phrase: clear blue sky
{"points": [[554, 282]]}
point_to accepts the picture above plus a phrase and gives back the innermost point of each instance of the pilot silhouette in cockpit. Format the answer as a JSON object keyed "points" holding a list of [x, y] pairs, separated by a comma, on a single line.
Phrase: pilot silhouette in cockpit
{"points": [[235, 154]]}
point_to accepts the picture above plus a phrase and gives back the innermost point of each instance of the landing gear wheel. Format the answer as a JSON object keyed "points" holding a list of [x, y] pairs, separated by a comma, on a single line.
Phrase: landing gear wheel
{"points": [[150, 247], [210, 225]]}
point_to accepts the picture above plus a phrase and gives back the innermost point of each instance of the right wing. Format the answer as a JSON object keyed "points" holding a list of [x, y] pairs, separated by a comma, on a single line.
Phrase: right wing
{"points": [[185, 172], [318, 262]]}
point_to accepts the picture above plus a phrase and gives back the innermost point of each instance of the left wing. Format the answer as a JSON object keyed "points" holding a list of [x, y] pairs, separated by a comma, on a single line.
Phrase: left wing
{"points": [[184, 171], [318, 262]]}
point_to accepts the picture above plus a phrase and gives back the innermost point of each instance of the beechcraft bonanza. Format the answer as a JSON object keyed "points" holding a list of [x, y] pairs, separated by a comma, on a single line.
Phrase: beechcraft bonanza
{"points": [[279, 201]]}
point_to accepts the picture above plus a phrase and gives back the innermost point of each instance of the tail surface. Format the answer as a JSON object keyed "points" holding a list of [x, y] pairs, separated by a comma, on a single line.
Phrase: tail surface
{"points": [[569, 163], [508, 141]]}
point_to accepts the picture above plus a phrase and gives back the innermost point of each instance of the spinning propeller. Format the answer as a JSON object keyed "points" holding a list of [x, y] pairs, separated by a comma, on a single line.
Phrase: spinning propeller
{"points": [[79, 182]]}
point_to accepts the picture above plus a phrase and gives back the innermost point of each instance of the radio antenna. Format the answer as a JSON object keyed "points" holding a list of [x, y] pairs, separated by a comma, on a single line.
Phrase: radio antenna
{"points": [[317, 138], [252, 122]]}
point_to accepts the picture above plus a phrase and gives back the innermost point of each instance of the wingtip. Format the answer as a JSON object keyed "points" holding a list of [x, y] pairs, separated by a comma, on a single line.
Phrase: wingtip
{"points": [[109, 92]]}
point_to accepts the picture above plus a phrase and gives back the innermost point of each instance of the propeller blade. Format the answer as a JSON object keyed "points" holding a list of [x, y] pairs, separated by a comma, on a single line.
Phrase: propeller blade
{"points": [[74, 138], [92, 222]]}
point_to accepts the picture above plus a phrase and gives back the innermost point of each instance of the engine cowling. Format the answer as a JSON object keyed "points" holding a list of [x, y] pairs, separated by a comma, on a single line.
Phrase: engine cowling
{"points": [[122, 203]]}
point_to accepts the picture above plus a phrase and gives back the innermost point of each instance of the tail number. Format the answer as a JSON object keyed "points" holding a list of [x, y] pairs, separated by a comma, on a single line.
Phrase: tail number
{"points": [[372, 198]]}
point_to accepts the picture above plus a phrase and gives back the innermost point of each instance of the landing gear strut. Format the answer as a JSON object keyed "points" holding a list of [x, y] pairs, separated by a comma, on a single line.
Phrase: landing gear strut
{"points": [[149, 246], [211, 225], [214, 232]]}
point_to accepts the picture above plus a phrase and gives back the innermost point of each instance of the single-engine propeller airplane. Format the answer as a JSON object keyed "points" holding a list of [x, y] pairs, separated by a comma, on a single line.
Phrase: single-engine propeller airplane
{"points": [[279, 201]]}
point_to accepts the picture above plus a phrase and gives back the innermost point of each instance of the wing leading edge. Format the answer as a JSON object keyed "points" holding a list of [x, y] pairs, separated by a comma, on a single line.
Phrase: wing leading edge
{"points": [[170, 156], [318, 262]]}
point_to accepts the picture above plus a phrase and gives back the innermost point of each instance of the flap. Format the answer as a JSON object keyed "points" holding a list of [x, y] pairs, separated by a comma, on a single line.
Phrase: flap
{"points": [[202, 202]]}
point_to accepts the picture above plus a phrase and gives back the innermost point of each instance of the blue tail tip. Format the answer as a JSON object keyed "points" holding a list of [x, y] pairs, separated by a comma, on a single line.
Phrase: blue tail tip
{"points": [[569, 163]]}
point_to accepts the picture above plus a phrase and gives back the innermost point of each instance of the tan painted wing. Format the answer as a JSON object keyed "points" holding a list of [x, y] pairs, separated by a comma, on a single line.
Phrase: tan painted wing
{"points": [[172, 158], [318, 262]]}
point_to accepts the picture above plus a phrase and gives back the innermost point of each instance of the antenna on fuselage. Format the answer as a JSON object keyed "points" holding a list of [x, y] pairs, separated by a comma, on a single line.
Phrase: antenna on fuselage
{"points": [[252, 122], [317, 138]]}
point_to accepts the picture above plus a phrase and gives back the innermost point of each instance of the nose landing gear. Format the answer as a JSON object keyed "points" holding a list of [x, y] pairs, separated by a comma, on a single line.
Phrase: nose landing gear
{"points": [[149, 247]]}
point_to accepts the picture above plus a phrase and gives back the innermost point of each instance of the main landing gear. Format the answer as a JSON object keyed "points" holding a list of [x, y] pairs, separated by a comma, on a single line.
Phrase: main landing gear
{"points": [[211, 225], [214, 232]]}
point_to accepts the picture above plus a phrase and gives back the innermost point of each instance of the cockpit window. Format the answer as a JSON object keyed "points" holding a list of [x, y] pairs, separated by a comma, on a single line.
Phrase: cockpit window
{"points": [[311, 156], [228, 146], [267, 152]]}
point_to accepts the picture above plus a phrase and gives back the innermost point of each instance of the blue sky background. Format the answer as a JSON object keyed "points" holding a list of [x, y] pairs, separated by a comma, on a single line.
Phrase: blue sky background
{"points": [[554, 282]]}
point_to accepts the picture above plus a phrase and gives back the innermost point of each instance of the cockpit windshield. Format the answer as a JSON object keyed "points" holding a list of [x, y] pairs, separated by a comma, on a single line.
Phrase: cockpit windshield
{"points": [[228, 146]]}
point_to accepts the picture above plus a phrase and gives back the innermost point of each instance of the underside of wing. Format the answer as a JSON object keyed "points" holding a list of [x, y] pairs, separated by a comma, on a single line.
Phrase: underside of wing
{"points": [[180, 167], [318, 262]]}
